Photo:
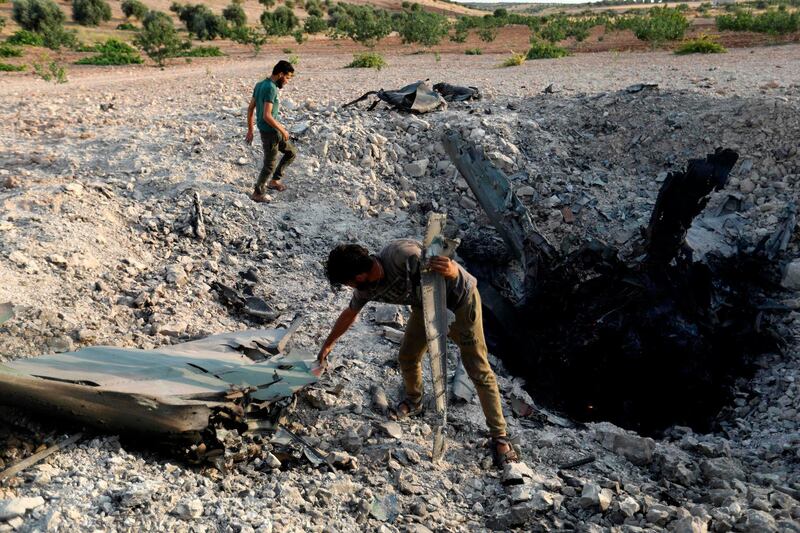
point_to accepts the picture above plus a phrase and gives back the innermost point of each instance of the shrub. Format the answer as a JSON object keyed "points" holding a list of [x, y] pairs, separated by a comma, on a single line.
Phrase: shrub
{"points": [[473, 51], [368, 60], [543, 50], [267, 3], [134, 8], [25, 38], [280, 22], [201, 21], [488, 34], [514, 61], [90, 12], [289, 4], [37, 15], [287, 50], [201, 51], [5, 67], [299, 36], [254, 37], [315, 12], [658, 25], [459, 35], [126, 26], [315, 24], [363, 24], [423, 27], [705, 44], [773, 22], [56, 37], [6, 50], [158, 37], [112, 52], [52, 71], [235, 14]]}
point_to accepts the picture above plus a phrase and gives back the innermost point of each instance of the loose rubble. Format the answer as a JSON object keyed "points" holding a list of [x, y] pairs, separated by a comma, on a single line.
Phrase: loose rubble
{"points": [[101, 243]]}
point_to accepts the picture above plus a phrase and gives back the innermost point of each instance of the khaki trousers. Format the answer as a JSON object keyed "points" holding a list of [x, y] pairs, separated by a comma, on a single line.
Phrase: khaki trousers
{"points": [[467, 333]]}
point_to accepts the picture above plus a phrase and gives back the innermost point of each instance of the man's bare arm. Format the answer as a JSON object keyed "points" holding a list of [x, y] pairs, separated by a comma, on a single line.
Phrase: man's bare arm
{"points": [[269, 119], [342, 324], [250, 120]]}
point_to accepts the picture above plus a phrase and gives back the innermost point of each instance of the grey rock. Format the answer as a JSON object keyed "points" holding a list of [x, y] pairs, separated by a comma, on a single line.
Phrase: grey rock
{"points": [[689, 524], [638, 450], [722, 468], [755, 521], [389, 315], [516, 474], [392, 429], [189, 509], [593, 496], [416, 169], [791, 277], [628, 506], [18, 506]]}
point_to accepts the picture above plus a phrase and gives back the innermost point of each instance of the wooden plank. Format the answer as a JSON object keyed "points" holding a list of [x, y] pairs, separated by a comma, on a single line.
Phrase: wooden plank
{"points": [[15, 469]]}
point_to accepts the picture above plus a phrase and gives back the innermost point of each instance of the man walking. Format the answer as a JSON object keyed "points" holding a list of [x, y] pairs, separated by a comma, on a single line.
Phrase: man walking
{"points": [[393, 276], [274, 136]]}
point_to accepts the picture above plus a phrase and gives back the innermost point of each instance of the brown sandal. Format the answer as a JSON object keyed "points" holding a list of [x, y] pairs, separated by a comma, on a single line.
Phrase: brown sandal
{"points": [[502, 459], [406, 409], [276, 186]]}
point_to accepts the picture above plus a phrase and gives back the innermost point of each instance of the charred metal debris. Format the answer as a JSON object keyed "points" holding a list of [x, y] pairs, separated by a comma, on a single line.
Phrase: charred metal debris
{"points": [[419, 97], [647, 340], [189, 397]]}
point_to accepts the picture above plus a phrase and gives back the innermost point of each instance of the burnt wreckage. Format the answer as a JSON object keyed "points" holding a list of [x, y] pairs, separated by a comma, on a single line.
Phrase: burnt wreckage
{"points": [[655, 339]]}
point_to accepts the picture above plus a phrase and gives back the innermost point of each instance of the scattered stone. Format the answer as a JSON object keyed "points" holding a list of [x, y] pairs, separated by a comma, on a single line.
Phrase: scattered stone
{"points": [[593, 496], [189, 509], [516, 473], [689, 524], [10, 509], [638, 450], [392, 429], [417, 169], [791, 277], [389, 315]]}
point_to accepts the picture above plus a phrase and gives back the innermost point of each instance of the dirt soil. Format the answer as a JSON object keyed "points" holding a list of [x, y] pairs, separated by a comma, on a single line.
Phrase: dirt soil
{"points": [[96, 180]]}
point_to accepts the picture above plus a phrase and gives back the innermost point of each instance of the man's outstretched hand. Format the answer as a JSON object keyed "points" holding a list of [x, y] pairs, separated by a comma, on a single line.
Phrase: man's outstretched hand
{"points": [[444, 266]]}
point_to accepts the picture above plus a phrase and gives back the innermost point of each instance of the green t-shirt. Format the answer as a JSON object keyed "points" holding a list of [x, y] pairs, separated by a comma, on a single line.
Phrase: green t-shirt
{"points": [[266, 91]]}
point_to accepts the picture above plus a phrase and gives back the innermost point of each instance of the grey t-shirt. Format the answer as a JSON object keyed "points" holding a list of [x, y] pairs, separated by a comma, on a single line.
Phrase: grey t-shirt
{"points": [[400, 285]]}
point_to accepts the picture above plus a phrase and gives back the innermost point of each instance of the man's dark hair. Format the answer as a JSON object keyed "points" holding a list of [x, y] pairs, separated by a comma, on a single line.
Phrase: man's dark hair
{"points": [[282, 67], [347, 261]]}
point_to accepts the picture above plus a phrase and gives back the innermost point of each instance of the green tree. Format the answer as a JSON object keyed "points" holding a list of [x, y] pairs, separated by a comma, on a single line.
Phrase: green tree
{"points": [[255, 37], [201, 21], [158, 37], [134, 8], [315, 24], [90, 12], [267, 3], [37, 15], [364, 24], [280, 22], [235, 14], [423, 27]]}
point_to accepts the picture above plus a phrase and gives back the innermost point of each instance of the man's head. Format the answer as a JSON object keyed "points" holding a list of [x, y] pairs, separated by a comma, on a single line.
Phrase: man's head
{"points": [[282, 72], [351, 265]]}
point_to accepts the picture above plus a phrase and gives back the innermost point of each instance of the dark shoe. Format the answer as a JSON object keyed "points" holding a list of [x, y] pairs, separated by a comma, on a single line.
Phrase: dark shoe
{"points": [[260, 198], [499, 458], [406, 409]]}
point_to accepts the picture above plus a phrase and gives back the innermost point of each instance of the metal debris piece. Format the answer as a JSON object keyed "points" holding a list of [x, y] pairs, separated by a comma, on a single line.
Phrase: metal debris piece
{"points": [[250, 305], [198, 221], [175, 392], [28, 462], [6, 312], [418, 97], [463, 388], [279, 345], [580, 462], [285, 436], [509, 216], [434, 307], [639, 87], [456, 93]]}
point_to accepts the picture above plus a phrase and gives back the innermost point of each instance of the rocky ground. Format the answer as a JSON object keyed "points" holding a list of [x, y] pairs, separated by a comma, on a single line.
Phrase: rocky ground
{"points": [[95, 249]]}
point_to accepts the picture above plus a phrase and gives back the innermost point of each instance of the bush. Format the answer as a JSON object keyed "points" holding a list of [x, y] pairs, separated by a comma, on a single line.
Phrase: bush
{"points": [[473, 51], [423, 27], [37, 15], [254, 37], [299, 36], [280, 22], [51, 72], [289, 4], [112, 52], [363, 24], [201, 51], [6, 50], [267, 3], [158, 37], [235, 14], [134, 8], [294, 59], [488, 34], [56, 37], [25, 38], [5, 67], [703, 45], [315, 12], [514, 61], [368, 60], [773, 22], [543, 50], [126, 26], [315, 24], [658, 25], [90, 12], [201, 21]]}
